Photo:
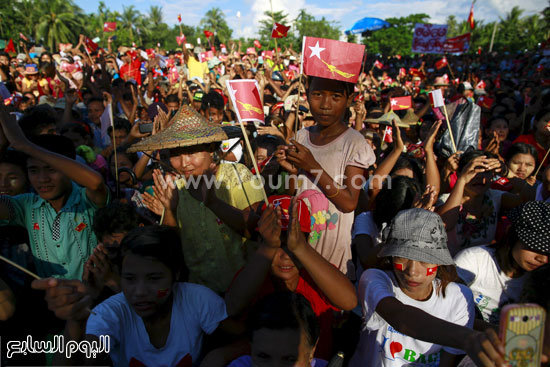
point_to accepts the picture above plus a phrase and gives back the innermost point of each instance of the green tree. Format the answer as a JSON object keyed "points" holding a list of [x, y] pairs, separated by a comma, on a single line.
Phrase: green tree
{"points": [[128, 20], [396, 39], [307, 25], [60, 22], [155, 15], [214, 21]]}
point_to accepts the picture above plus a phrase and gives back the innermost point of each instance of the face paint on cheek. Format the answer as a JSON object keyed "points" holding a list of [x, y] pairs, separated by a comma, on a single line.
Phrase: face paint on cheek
{"points": [[161, 293], [398, 266], [430, 271]]}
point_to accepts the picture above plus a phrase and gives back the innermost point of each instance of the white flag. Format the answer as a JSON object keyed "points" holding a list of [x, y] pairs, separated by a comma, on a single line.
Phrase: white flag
{"points": [[436, 98]]}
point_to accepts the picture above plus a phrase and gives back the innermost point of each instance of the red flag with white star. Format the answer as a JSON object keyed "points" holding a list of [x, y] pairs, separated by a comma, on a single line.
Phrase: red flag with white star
{"points": [[279, 31], [109, 26], [90, 45], [401, 103], [245, 96], [331, 59], [378, 64], [441, 63]]}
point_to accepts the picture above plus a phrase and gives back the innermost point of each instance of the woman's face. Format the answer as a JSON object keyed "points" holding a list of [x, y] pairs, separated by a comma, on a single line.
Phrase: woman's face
{"points": [[190, 161], [501, 128], [522, 165], [12, 179], [526, 259], [277, 348], [327, 101], [146, 284], [414, 277]]}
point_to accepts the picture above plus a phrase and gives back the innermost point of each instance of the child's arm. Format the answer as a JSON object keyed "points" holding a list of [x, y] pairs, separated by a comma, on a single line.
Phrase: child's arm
{"points": [[249, 281], [333, 283], [96, 190], [344, 197], [432, 173]]}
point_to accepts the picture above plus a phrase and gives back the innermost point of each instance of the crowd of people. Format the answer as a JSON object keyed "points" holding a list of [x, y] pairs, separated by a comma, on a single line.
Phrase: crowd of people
{"points": [[127, 189]]}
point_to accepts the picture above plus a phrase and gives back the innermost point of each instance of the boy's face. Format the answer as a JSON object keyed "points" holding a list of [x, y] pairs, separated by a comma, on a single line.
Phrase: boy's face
{"points": [[95, 110], [328, 101], [49, 183], [12, 179], [214, 115], [172, 106]]}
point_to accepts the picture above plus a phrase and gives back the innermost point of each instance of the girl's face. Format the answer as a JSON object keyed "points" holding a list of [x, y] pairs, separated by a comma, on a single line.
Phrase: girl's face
{"points": [[522, 165], [146, 284], [414, 277], [12, 179], [277, 348], [283, 267], [328, 101], [528, 260], [190, 161], [501, 128]]}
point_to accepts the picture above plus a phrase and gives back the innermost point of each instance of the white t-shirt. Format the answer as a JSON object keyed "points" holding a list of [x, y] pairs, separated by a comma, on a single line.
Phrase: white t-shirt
{"points": [[196, 310], [492, 289], [381, 345]]}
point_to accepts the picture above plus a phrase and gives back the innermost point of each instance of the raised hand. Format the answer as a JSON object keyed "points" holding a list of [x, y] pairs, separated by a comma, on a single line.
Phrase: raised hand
{"points": [[269, 226]]}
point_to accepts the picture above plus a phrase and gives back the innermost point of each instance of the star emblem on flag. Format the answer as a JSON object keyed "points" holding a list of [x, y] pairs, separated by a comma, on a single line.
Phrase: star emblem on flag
{"points": [[394, 102], [316, 50]]}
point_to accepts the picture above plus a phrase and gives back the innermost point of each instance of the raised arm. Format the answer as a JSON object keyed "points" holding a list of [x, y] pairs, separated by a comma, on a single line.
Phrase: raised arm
{"points": [[96, 190]]}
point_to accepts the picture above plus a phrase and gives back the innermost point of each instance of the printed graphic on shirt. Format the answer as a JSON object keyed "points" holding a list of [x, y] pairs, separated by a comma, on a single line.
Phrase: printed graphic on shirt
{"points": [[320, 221], [394, 350]]}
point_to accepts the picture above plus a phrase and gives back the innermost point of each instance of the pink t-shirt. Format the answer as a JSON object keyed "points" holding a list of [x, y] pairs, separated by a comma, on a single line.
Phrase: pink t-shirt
{"points": [[331, 228]]}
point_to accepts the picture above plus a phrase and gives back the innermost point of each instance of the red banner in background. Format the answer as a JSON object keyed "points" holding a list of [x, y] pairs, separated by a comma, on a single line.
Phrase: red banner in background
{"points": [[429, 38], [457, 44]]}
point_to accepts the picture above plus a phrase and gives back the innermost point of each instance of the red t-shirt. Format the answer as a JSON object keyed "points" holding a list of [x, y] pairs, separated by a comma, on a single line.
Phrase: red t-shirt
{"points": [[530, 139], [319, 303]]}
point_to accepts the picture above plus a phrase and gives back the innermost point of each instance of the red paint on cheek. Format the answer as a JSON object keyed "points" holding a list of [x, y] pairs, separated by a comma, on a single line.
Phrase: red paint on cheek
{"points": [[161, 293], [398, 266], [430, 271]]}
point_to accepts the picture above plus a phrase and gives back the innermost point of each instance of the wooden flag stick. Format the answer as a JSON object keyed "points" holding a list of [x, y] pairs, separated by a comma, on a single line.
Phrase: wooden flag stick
{"points": [[297, 120], [19, 267], [542, 162], [451, 70], [28, 272], [251, 153], [449, 127]]}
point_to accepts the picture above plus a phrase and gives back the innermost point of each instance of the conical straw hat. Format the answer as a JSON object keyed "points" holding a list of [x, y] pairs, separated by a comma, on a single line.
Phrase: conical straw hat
{"points": [[186, 128]]}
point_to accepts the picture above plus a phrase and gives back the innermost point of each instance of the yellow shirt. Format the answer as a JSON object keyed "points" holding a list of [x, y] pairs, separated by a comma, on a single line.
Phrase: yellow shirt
{"points": [[196, 68], [213, 251]]}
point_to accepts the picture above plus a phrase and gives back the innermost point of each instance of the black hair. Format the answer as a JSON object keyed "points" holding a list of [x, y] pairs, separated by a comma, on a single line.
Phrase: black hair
{"points": [[161, 243], [117, 83], [212, 99], [541, 113], [269, 99], [121, 149], [285, 310], [410, 163], [37, 118], [75, 127], [16, 158], [397, 194], [172, 98], [521, 148], [120, 124], [56, 143], [117, 217], [95, 99], [496, 118], [268, 142], [468, 156], [348, 87]]}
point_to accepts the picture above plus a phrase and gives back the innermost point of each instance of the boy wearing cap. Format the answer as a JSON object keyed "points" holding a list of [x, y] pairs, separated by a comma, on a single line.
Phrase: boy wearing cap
{"points": [[33, 83], [59, 217]]}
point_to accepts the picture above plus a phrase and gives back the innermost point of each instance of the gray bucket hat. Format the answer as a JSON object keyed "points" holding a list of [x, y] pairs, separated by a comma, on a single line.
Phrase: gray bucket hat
{"points": [[417, 234]]}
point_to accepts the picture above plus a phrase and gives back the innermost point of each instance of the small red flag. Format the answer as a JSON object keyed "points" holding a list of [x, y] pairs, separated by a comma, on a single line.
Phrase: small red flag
{"points": [[446, 78], [471, 16], [480, 85], [109, 26], [208, 34], [331, 59], [401, 103], [245, 96], [540, 68], [402, 72], [388, 135], [279, 31], [10, 48], [257, 44], [90, 45], [416, 72], [22, 36], [179, 18], [378, 64], [441, 63], [485, 102]]}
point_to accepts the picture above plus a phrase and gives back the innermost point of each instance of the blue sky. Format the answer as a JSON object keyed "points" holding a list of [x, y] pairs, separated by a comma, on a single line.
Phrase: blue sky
{"points": [[343, 12]]}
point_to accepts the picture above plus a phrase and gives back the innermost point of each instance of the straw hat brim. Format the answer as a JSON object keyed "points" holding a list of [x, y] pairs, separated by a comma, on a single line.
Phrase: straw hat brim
{"points": [[187, 128]]}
